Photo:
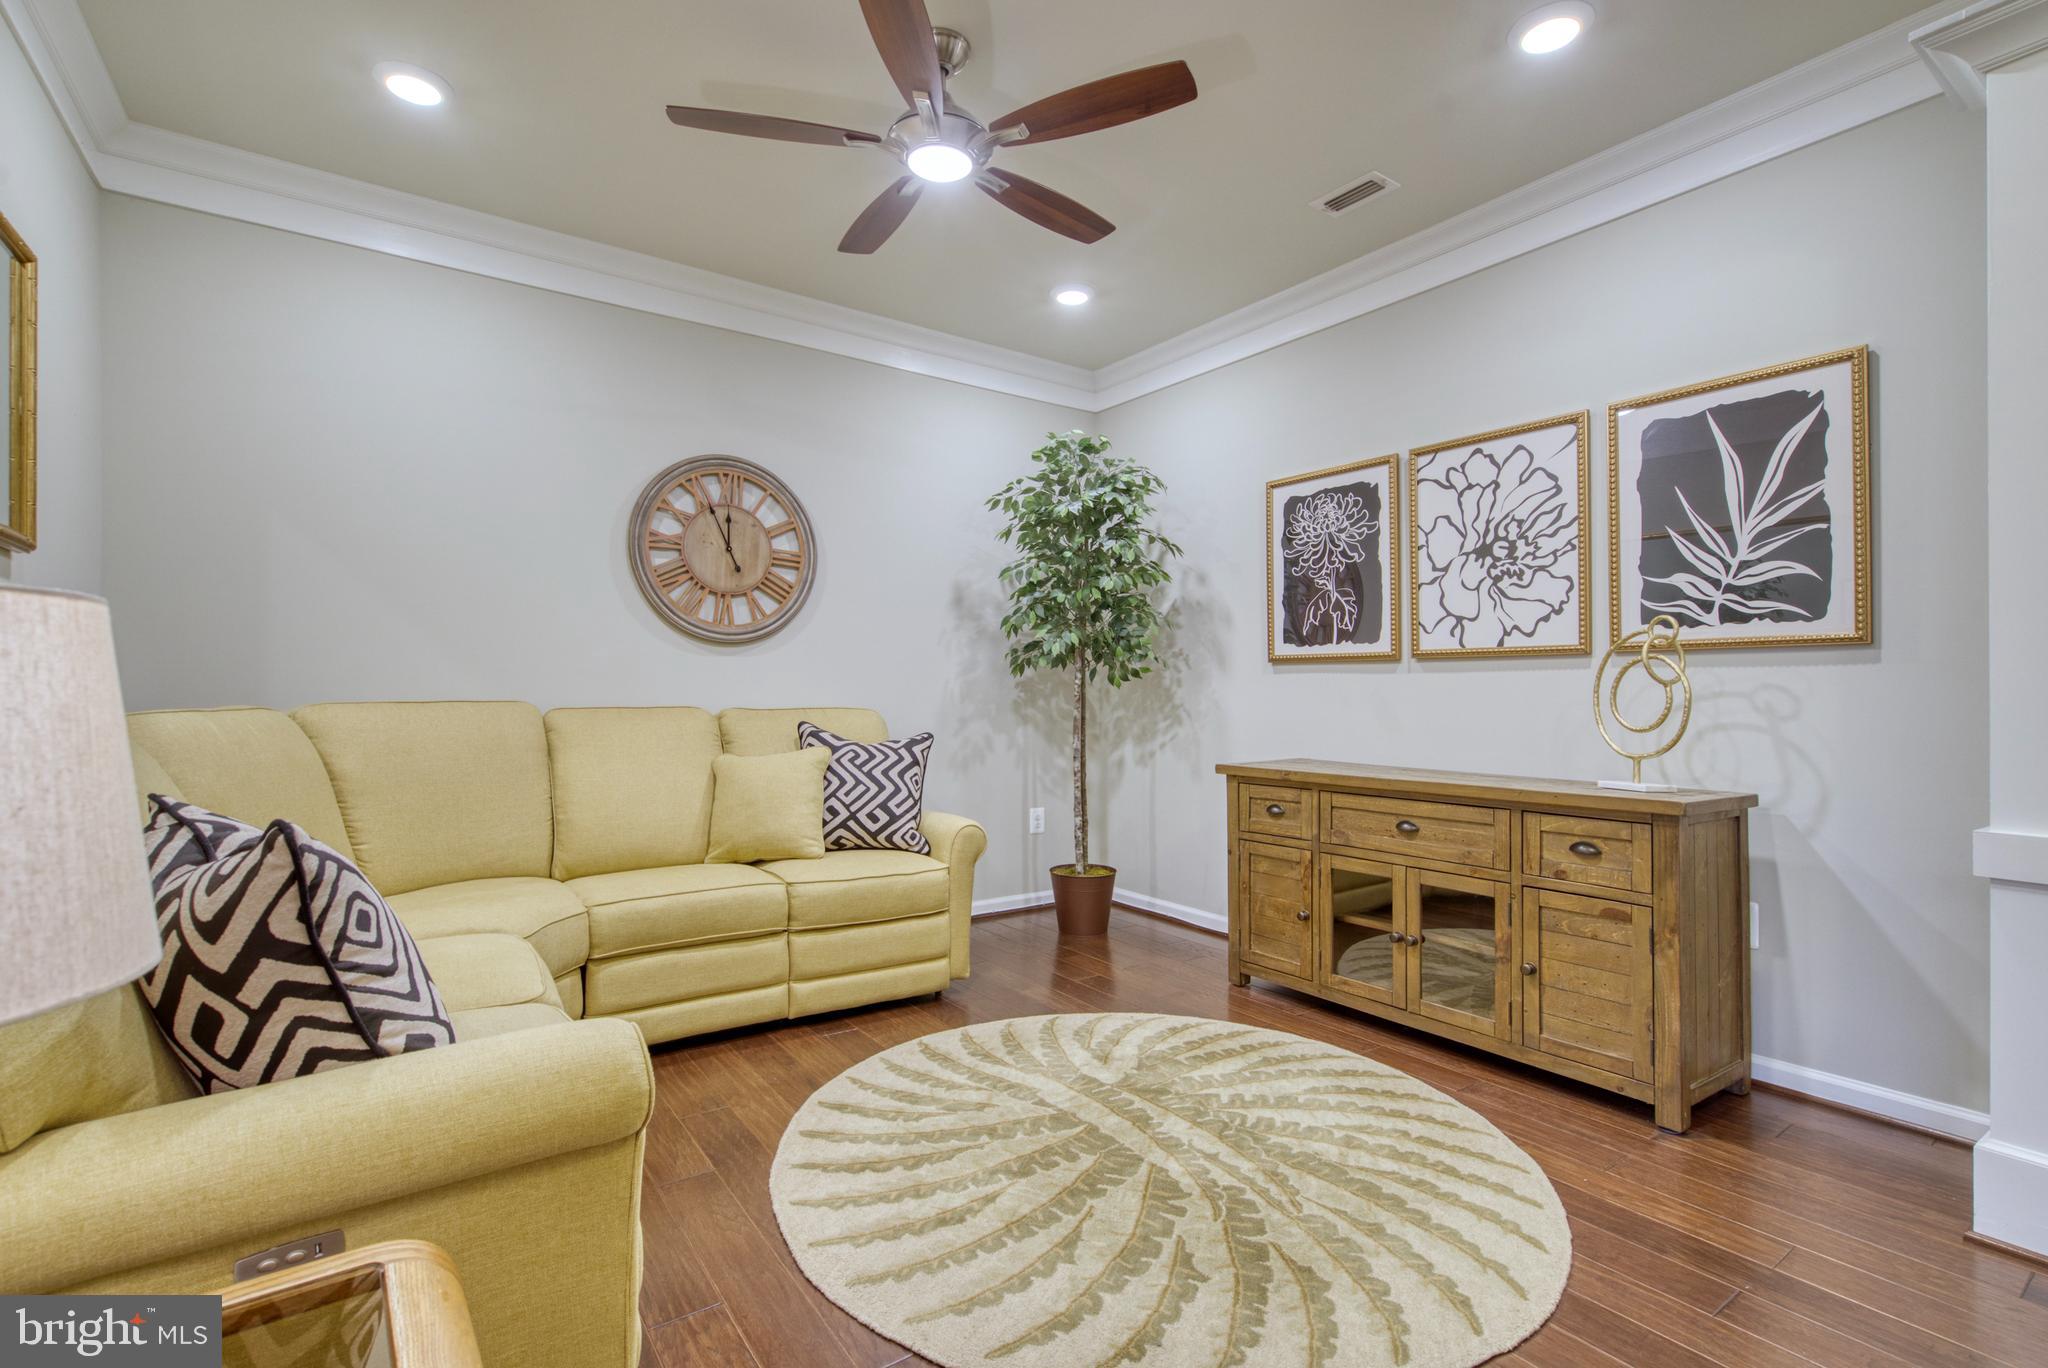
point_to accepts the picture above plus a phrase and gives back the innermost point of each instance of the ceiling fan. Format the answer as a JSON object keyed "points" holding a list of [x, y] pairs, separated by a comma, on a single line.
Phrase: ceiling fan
{"points": [[938, 141]]}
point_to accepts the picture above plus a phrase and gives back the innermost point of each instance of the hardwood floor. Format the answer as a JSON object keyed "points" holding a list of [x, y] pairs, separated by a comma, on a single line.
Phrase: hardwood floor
{"points": [[1778, 1231]]}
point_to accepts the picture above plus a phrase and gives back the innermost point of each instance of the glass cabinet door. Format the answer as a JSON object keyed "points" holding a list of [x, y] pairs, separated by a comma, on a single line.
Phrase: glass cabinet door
{"points": [[1459, 951], [1364, 953]]}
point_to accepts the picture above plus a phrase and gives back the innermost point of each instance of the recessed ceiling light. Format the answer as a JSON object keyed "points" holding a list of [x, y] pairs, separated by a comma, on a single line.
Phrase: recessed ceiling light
{"points": [[412, 84], [1552, 27], [1073, 296], [940, 162]]}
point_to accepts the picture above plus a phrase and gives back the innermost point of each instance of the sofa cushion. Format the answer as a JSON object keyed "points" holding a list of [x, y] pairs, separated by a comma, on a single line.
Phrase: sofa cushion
{"points": [[279, 959], [252, 764], [100, 1056], [478, 1022], [848, 887], [638, 910], [542, 912], [632, 787], [438, 793], [874, 790], [764, 731], [489, 969], [768, 807]]}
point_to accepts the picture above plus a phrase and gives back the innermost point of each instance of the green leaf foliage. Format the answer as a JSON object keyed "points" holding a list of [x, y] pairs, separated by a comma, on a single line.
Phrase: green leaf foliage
{"points": [[1082, 585]]}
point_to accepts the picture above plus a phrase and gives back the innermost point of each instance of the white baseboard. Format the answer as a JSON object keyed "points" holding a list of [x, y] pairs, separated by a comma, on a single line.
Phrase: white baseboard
{"points": [[1943, 1117], [2010, 1184], [1014, 902], [1180, 912], [1925, 1112]]}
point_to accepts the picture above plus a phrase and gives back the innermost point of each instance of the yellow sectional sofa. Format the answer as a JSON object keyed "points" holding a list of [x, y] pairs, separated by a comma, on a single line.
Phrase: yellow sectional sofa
{"points": [[583, 832], [550, 867]]}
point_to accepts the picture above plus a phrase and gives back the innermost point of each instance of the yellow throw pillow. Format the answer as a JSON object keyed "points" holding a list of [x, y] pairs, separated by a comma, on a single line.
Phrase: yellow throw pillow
{"points": [[768, 807]]}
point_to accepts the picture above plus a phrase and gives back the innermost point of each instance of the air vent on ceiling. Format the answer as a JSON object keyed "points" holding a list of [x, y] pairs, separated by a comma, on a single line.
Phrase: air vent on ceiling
{"points": [[1355, 194]]}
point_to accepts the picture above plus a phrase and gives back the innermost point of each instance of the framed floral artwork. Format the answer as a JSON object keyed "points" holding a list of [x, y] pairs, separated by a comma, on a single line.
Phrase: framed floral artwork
{"points": [[1330, 564], [1499, 564], [1740, 507]]}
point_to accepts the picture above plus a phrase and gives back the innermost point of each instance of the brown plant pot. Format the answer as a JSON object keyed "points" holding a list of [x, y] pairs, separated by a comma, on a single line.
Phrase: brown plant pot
{"points": [[1081, 901]]}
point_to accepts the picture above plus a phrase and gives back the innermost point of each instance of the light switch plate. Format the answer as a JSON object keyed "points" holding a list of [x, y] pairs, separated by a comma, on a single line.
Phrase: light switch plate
{"points": [[1756, 927]]}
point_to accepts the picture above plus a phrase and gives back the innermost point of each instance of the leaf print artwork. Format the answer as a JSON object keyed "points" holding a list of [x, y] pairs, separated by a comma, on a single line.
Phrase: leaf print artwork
{"points": [[1088, 1191], [1500, 542], [1735, 513]]}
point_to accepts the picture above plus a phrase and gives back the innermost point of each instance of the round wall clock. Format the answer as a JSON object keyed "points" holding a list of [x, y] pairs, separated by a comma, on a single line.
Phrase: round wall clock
{"points": [[722, 549]]}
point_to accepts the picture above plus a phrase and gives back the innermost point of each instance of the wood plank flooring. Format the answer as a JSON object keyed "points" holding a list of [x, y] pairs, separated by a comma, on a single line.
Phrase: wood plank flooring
{"points": [[1776, 1232]]}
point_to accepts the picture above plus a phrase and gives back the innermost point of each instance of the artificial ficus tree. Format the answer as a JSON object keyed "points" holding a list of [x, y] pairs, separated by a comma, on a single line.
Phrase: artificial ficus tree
{"points": [[1083, 586]]}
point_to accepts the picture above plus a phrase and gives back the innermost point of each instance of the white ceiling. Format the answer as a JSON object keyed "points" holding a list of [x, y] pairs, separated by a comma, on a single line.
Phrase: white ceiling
{"points": [[557, 121]]}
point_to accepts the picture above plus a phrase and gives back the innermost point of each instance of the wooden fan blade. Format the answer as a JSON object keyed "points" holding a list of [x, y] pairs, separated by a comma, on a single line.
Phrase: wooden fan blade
{"points": [[1105, 103], [767, 126], [903, 35], [883, 217], [1045, 207]]}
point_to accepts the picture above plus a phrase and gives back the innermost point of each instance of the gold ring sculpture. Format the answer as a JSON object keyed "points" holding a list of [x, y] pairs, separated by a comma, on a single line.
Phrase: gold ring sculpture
{"points": [[1661, 656]]}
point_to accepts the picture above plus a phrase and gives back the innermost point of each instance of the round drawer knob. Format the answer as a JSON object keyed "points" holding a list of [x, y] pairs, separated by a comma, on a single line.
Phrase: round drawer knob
{"points": [[1528, 968], [1301, 915], [1406, 827], [1275, 810], [1585, 850], [1416, 940]]}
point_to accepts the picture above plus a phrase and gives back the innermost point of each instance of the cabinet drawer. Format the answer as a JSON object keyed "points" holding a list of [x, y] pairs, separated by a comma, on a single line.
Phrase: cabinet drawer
{"points": [[1455, 832], [1268, 811], [1586, 850]]}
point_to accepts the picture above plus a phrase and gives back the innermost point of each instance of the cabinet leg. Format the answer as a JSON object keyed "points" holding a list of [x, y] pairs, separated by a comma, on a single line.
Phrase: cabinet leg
{"points": [[1740, 1087], [1235, 975], [1674, 1114]]}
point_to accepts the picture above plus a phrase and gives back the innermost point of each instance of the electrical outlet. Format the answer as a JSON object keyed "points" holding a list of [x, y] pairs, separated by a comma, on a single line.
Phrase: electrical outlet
{"points": [[1037, 821], [1756, 927]]}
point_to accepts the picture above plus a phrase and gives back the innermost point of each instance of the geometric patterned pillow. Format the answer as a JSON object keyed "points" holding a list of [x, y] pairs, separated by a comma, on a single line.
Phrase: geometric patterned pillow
{"points": [[279, 957], [874, 791]]}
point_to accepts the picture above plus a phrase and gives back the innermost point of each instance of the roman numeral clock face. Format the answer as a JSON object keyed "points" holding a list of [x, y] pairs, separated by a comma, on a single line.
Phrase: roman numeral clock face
{"points": [[722, 549]]}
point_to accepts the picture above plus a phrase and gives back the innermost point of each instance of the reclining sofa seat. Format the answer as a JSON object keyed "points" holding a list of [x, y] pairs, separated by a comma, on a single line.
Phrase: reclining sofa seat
{"points": [[583, 834]]}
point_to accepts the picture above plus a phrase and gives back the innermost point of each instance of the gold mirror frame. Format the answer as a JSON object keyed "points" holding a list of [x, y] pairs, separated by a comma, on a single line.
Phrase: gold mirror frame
{"points": [[18, 533]]}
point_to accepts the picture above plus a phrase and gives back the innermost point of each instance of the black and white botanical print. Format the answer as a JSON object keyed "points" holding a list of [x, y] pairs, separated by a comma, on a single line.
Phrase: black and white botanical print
{"points": [[1735, 516], [1331, 570], [1500, 542], [1330, 545], [1740, 507]]}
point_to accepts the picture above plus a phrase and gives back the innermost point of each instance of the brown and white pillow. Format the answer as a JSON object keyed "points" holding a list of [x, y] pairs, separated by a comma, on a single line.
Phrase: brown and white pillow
{"points": [[280, 959], [874, 791]]}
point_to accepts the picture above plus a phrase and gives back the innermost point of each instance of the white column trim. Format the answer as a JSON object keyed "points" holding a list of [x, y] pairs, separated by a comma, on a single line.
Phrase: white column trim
{"points": [[2011, 1187], [2010, 856], [1981, 37]]}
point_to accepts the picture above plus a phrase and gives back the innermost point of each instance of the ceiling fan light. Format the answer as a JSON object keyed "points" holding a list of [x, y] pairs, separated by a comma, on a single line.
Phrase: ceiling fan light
{"points": [[941, 162]]}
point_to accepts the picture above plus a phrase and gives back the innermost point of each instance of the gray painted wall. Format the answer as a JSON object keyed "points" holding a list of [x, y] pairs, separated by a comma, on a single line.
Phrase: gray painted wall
{"points": [[50, 198], [1871, 763]]}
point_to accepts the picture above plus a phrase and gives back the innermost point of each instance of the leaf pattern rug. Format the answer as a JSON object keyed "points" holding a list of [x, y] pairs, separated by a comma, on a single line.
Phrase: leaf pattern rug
{"points": [[1076, 1190]]}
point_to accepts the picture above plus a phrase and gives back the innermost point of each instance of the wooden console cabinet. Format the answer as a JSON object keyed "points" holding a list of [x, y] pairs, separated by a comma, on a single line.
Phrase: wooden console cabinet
{"points": [[1599, 933]]}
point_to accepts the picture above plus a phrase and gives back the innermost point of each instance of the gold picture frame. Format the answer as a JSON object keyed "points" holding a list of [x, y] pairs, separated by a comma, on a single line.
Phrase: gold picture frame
{"points": [[18, 533], [1859, 627], [1420, 458], [1386, 471]]}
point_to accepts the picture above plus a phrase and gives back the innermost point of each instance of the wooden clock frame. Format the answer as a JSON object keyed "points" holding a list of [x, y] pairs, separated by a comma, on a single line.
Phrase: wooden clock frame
{"points": [[759, 599]]}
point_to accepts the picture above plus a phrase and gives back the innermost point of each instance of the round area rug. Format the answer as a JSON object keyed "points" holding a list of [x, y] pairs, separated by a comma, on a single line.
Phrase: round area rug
{"points": [[1108, 1189]]}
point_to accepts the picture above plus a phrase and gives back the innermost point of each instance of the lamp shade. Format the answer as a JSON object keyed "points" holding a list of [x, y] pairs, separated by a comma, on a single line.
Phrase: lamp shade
{"points": [[76, 913]]}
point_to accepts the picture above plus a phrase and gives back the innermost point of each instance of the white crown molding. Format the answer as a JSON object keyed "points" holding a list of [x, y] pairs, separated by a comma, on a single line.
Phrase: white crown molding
{"points": [[2010, 856], [1864, 80], [1861, 81], [1982, 37]]}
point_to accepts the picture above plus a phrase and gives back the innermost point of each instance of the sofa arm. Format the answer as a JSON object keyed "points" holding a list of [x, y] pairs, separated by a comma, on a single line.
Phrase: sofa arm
{"points": [[958, 842], [90, 1199]]}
